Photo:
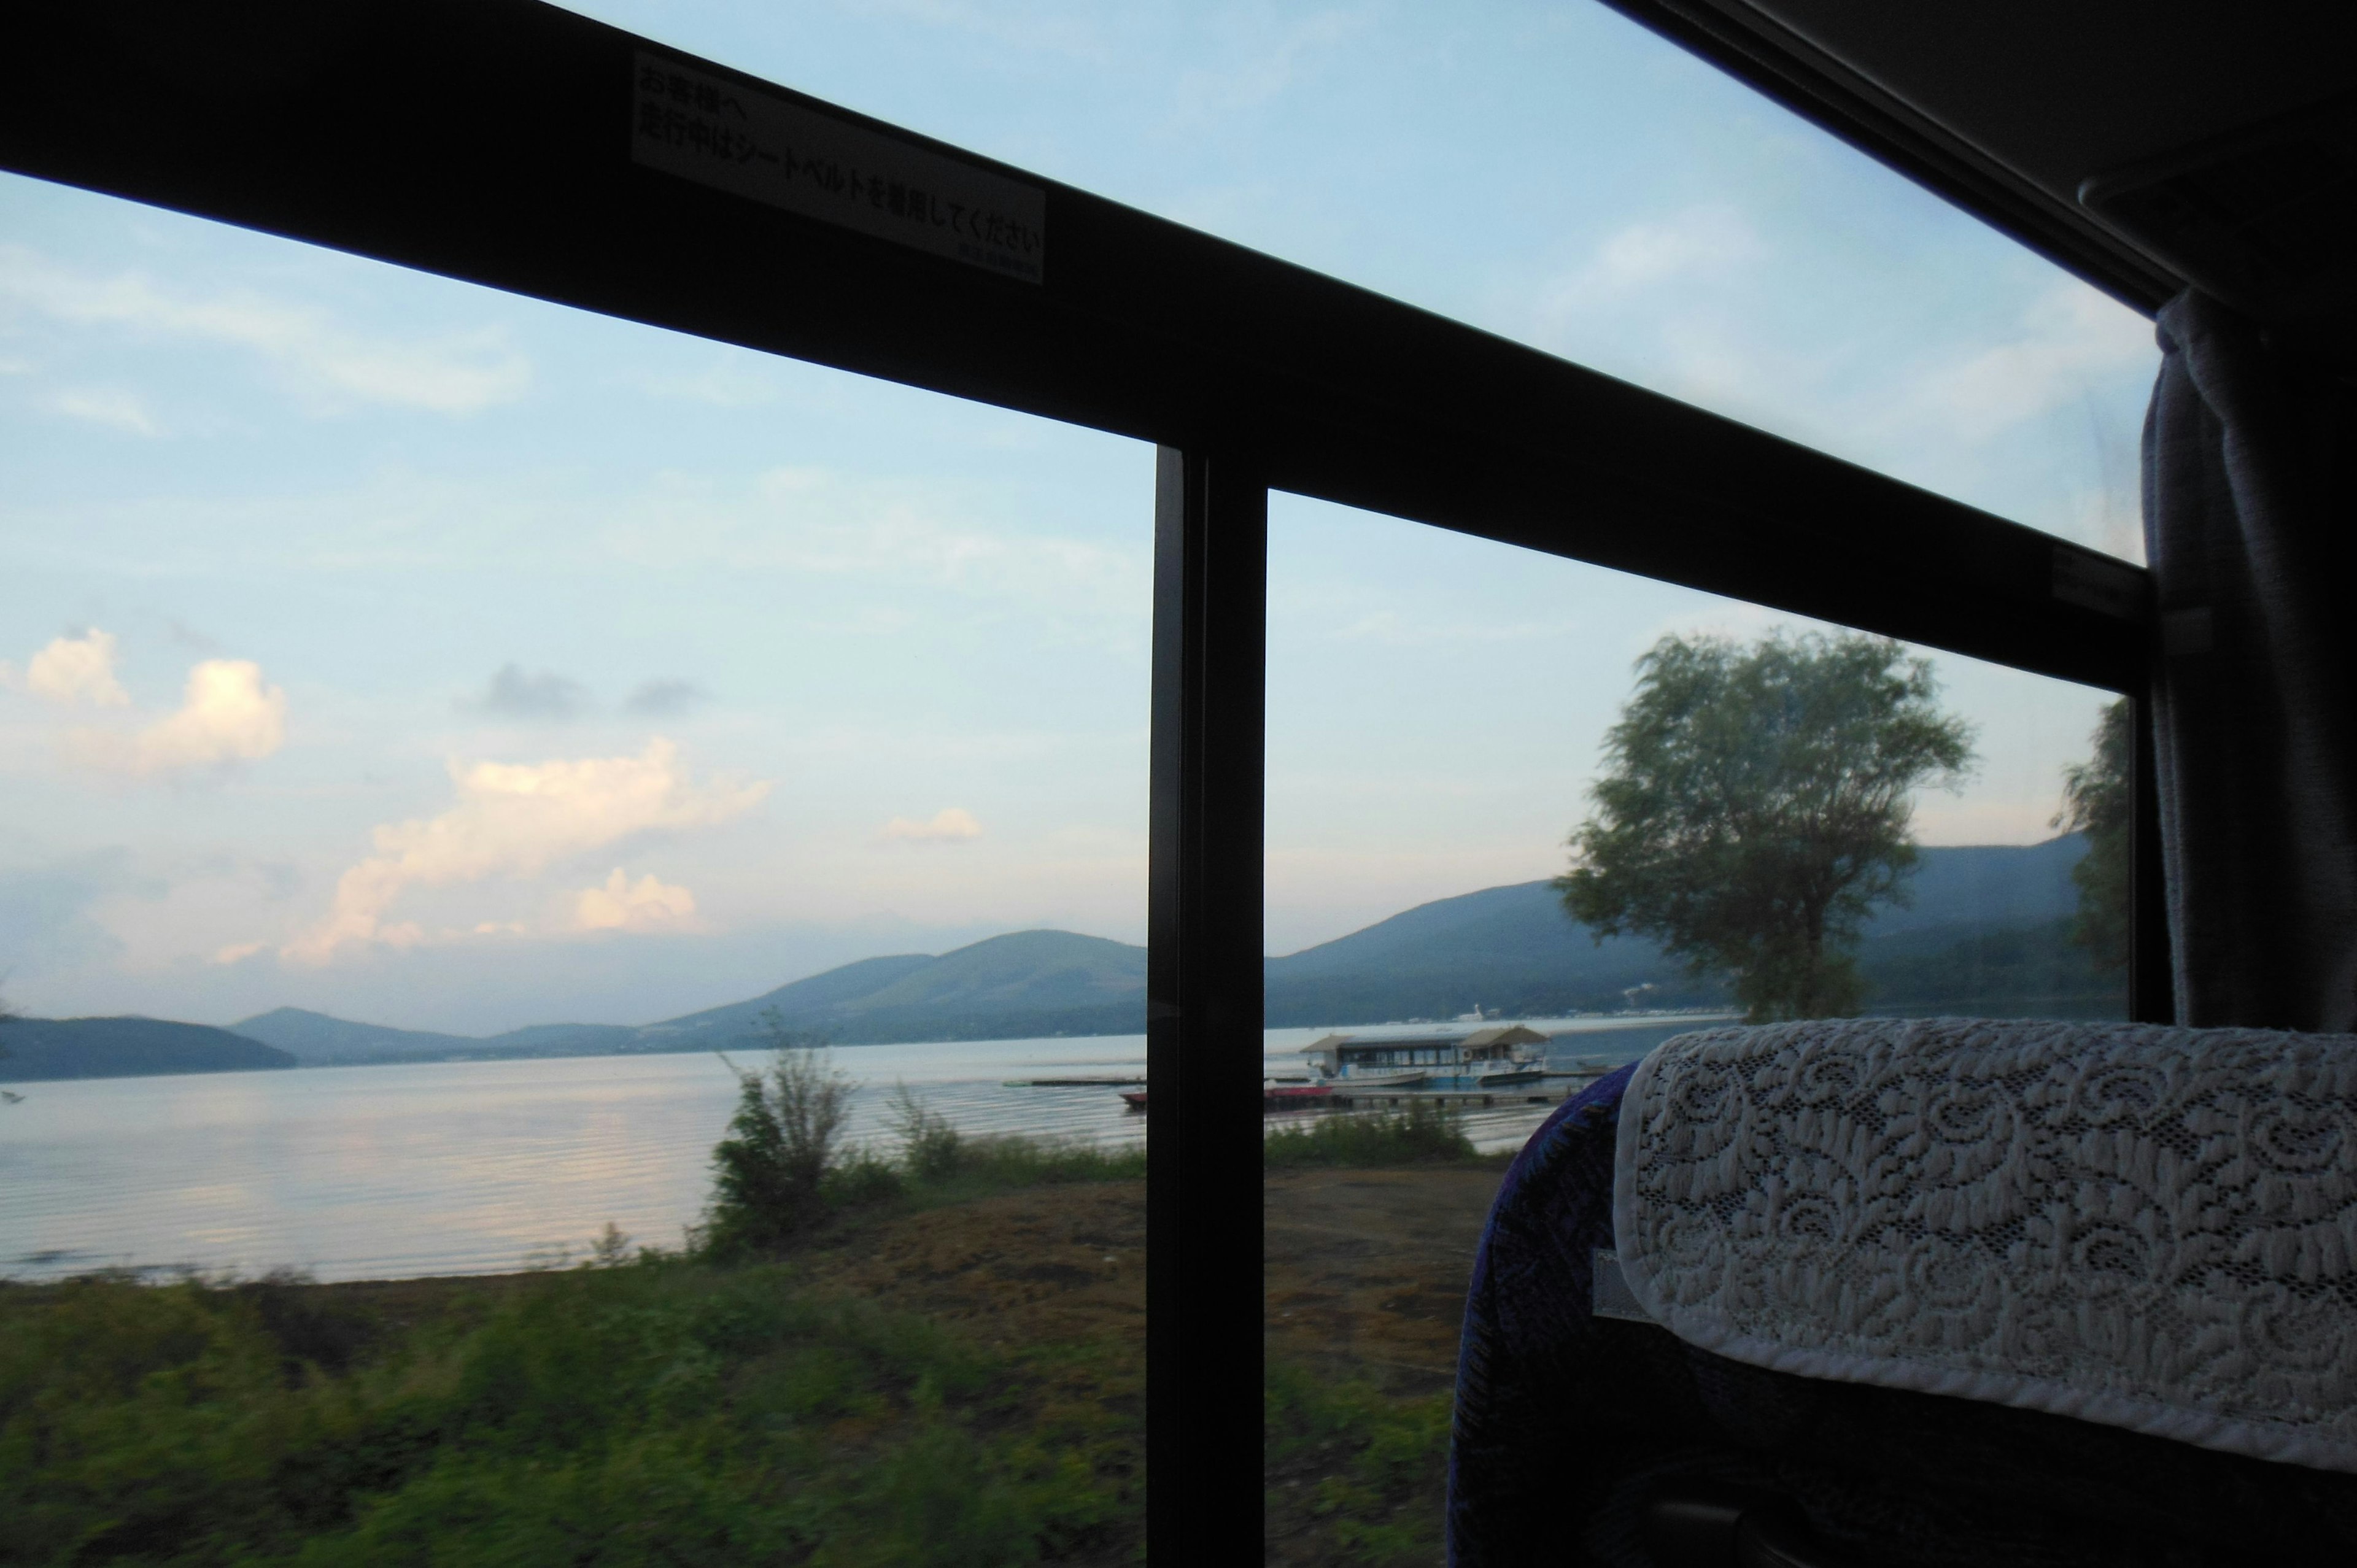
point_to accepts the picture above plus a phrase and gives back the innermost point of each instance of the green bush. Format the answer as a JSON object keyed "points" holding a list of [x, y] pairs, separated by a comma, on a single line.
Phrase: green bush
{"points": [[769, 1175], [1422, 1134], [930, 1147]]}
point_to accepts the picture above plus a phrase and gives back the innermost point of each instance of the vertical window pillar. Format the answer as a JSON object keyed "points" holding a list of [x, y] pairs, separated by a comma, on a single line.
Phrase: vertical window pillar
{"points": [[1203, 1304]]}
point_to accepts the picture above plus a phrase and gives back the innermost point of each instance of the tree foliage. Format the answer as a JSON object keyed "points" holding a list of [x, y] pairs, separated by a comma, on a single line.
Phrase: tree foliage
{"points": [[1757, 803], [2098, 800]]}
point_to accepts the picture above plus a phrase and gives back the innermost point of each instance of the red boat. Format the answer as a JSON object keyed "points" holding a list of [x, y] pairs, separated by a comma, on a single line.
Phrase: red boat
{"points": [[1133, 1097]]}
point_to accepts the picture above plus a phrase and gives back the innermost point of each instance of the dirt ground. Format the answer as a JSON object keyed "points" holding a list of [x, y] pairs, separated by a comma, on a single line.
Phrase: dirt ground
{"points": [[1366, 1269]]}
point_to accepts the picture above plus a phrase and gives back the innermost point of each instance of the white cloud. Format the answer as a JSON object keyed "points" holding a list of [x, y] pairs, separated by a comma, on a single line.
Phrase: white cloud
{"points": [[1700, 242], [227, 714], [514, 821], [952, 826], [107, 406], [1262, 63], [2069, 340], [817, 520], [456, 373], [623, 906], [71, 669]]}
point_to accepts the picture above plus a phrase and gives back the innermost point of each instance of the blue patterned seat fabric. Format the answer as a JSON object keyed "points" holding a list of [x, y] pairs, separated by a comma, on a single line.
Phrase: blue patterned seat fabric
{"points": [[1569, 1425]]}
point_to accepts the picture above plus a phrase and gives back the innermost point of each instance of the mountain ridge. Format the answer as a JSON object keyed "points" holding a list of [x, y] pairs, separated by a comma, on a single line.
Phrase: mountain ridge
{"points": [[1983, 928], [47, 1050]]}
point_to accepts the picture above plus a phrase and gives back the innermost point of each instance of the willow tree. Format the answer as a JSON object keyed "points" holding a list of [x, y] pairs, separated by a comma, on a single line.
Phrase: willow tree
{"points": [[1757, 802]]}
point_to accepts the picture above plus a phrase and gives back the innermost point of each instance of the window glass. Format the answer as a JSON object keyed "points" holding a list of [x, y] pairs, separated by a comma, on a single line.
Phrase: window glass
{"points": [[446, 743], [1550, 172], [1446, 715]]}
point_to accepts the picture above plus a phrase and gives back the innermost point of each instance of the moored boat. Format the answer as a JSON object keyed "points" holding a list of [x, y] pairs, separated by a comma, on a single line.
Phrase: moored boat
{"points": [[1498, 1057]]}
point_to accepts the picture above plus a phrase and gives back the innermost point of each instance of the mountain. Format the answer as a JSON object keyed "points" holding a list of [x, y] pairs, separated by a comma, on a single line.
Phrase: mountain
{"points": [[1987, 885], [1989, 933], [1011, 987], [319, 1040], [1513, 949], [1984, 930], [718, 1027], [125, 1047], [1031, 982], [1508, 948]]}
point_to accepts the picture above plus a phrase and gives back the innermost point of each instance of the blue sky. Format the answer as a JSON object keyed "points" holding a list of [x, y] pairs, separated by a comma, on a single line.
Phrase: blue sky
{"points": [[388, 646]]}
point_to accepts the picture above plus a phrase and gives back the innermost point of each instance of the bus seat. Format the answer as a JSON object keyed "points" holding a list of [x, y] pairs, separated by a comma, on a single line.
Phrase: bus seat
{"points": [[1589, 1432]]}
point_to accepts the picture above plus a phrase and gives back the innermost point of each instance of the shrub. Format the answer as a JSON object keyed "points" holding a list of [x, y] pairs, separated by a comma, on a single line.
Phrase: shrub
{"points": [[864, 1178], [930, 1146], [769, 1175]]}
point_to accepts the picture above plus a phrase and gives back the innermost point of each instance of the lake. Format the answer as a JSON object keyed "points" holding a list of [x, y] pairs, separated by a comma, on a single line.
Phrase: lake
{"points": [[483, 1167]]}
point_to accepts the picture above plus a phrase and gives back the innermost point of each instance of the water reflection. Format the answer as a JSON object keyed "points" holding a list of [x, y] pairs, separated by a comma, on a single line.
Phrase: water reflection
{"points": [[473, 1167]]}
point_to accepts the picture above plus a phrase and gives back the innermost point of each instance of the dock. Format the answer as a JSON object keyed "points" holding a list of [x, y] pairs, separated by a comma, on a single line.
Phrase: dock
{"points": [[1553, 1089], [1073, 1084]]}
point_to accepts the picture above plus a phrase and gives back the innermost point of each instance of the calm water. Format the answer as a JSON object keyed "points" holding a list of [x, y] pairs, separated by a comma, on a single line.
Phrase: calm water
{"points": [[471, 1168]]}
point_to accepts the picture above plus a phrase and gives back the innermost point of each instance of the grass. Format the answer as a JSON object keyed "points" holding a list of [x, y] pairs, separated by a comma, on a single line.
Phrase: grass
{"points": [[971, 1169], [1355, 1475], [1421, 1134], [657, 1411]]}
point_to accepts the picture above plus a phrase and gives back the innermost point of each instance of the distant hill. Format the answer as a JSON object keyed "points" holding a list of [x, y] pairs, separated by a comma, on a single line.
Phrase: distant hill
{"points": [[317, 1040], [1009, 987], [125, 1047], [1513, 949], [1028, 983], [1988, 884], [1984, 931]]}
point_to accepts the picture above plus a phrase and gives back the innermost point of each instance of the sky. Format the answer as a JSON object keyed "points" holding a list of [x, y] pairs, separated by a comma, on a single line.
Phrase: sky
{"points": [[389, 646]]}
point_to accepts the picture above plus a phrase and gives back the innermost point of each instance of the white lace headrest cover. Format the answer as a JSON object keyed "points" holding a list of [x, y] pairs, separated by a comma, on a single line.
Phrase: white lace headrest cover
{"points": [[2151, 1227]]}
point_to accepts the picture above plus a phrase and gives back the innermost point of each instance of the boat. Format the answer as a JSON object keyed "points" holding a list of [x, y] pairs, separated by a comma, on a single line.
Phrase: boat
{"points": [[1495, 1057], [1511, 1077], [1133, 1097]]}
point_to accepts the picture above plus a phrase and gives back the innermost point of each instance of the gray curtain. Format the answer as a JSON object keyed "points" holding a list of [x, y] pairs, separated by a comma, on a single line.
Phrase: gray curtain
{"points": [[2247, 459]]}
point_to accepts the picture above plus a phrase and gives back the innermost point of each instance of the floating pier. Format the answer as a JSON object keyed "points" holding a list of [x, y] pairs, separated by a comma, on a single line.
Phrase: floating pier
{"points": [[1073, 1084], [1553, 1089]]}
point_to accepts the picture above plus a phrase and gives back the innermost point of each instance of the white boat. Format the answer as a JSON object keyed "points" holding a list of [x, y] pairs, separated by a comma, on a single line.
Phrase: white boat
{"points": [[1494, 1058]]}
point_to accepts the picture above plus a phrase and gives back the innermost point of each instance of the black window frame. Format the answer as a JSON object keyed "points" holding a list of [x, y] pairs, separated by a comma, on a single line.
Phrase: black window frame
{"points": [[488, 141]]}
